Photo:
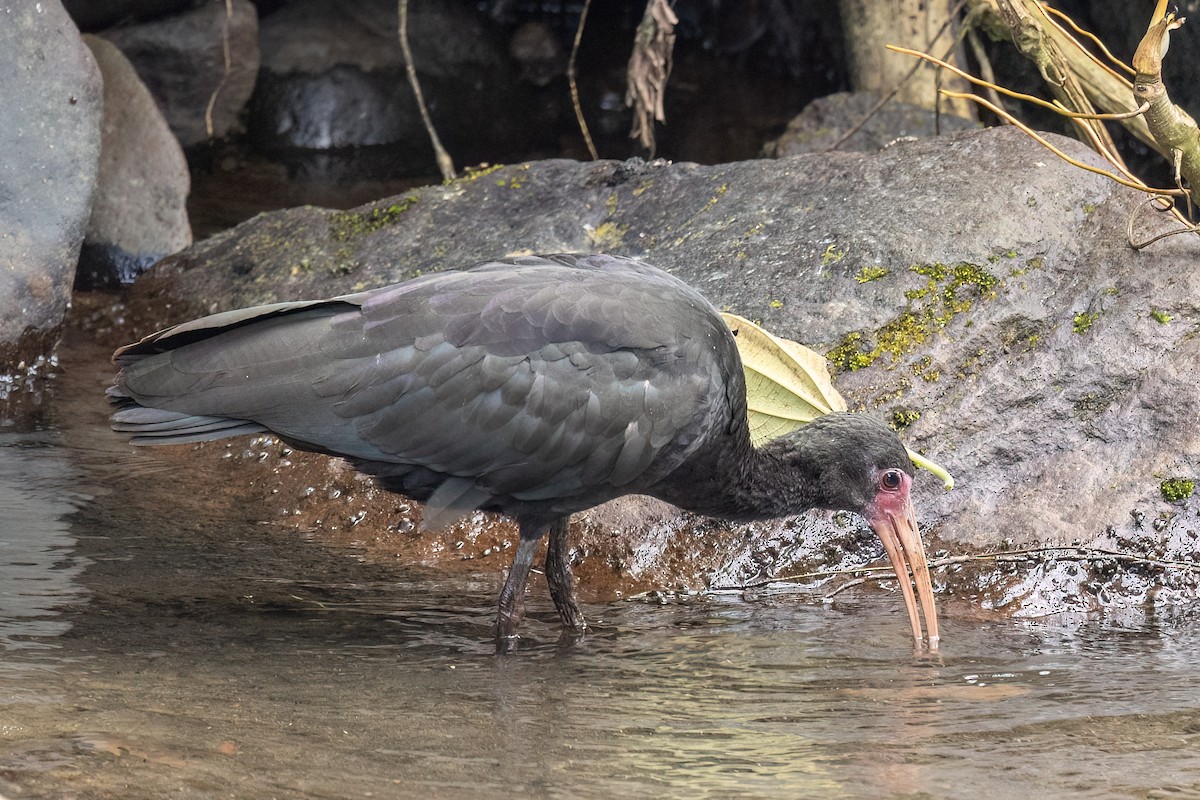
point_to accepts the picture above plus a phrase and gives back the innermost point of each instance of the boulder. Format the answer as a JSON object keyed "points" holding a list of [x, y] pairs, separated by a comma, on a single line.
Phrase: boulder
{"points": [[139, 213], [181, 59], [49, 151], [824, 121], [334, 77], [973, 290]]}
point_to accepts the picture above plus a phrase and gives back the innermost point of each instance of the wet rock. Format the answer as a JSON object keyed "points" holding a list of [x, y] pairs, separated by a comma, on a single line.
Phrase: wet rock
{"points": [[973, 290], [182, 61], [139, 212], [49, 150], [824, 121], [334, 77]]}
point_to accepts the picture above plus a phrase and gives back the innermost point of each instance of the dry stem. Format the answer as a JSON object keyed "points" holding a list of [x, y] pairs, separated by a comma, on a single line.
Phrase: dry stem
{"points": [[444, 162], [583, 127]]}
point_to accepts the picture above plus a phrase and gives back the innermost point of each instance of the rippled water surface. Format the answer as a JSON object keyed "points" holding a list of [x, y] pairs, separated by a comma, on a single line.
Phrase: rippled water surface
{"points": [[154, 643]]}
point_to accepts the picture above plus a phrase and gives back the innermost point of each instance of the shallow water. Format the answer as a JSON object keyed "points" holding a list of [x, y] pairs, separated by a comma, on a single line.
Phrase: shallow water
{"points": [[155, 642]]}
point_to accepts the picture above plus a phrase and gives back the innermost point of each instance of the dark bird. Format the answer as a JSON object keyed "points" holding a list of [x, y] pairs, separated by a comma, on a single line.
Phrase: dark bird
{"points": [[535, 387]]}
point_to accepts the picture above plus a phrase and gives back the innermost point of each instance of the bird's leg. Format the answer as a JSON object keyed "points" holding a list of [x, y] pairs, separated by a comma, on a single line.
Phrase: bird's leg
{"points": [[560, 579], [512, 596]]}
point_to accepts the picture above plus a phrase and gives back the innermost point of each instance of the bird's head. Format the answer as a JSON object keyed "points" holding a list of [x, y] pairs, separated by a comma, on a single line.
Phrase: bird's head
{"points": [[856, 463]]}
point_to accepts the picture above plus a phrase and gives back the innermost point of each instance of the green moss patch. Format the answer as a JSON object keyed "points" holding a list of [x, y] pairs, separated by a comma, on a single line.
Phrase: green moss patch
{"points": [[1084, 320], [948, 291], [347, 225], [1177, 489], [903, 417], [870, 273]]}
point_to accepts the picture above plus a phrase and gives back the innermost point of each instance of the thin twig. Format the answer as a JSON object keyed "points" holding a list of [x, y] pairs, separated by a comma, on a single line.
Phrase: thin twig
{"points": [[583, 127], [1151, 201], [1072, 161], [1056, 107], [850, 584], [212, 100], [1064, 64], [445, 163], [1088, 54], [985, 66], [1059, 552], [1090, 37]]}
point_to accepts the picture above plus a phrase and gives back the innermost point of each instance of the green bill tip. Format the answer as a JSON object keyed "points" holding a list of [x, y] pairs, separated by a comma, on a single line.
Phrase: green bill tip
{"points": [[935, 468]]}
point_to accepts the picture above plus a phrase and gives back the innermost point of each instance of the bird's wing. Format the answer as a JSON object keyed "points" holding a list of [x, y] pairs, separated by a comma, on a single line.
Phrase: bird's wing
{"points": [[531, 381], [538, 382]]}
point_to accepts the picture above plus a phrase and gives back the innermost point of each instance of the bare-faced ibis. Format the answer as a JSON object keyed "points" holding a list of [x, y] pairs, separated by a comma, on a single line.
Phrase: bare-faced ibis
{"points": [[536, 387]]}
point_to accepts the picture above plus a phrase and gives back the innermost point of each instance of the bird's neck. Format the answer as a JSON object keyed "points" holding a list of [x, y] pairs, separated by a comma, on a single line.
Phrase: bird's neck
{"points": [[734, 480]]}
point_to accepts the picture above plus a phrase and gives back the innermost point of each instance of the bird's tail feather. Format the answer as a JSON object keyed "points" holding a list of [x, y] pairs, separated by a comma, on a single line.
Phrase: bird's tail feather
{"points": [[150, 426]]}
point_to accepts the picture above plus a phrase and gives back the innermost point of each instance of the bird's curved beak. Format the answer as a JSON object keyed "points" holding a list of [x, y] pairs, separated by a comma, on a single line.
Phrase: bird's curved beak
{"points": [[895, 523]]}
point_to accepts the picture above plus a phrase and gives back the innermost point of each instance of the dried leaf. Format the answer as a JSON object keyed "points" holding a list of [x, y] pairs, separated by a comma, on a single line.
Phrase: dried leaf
{"points": [[649, 69], [789, 385]]}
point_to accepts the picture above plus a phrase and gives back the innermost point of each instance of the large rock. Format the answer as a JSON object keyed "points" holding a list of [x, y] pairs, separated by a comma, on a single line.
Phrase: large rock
{"points": [[139, 213], [334, 77], [825, 121], [974, 290], [49, 150], [181, 58]]}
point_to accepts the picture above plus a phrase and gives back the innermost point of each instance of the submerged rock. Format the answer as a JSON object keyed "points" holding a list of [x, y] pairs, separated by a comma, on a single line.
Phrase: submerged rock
{"points": [[973, 290]]}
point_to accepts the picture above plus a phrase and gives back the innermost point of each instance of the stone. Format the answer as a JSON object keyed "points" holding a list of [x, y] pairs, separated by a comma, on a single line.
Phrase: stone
{"points": [[49, 152], [181, 59], [139, 213], [334, 77], [975, 291], [824, 121]]}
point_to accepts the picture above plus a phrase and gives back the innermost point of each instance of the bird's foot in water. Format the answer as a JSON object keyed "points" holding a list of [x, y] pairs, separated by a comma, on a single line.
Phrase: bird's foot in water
{"points": [[561, 581], [567, 639], [507, 645]]}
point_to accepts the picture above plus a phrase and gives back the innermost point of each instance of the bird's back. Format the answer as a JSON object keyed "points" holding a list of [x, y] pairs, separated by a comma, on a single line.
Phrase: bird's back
{"points": [[543, 384]]}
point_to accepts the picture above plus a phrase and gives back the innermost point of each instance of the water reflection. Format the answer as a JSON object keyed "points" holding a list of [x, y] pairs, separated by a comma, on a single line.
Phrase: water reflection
{"points": [[38, 571]]}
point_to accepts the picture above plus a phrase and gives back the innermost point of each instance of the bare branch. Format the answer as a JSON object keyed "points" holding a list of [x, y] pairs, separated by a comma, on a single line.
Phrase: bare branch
{"points": [[1056, 552], [1057, 108], [1091, 37], [1072, 161], [891, 93], [445, 163], [583, 127], [212, 100]]}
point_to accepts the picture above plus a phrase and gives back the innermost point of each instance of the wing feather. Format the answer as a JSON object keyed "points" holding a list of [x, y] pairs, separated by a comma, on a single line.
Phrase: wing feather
{"points": [[526, 380]]}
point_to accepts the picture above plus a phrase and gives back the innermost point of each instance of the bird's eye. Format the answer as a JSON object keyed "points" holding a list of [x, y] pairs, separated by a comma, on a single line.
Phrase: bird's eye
{"points": [[891, 479]]}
